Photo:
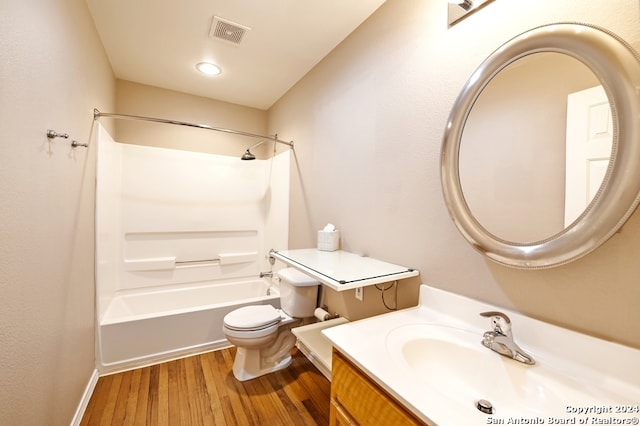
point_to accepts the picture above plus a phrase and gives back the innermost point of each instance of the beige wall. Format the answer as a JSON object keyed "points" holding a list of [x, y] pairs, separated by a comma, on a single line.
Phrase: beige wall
{"points": [[139, 99], [368, 122], [53, 73]]}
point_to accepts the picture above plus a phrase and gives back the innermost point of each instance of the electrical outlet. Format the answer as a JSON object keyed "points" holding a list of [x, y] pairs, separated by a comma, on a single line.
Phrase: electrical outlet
{"points": [[359, 293]]}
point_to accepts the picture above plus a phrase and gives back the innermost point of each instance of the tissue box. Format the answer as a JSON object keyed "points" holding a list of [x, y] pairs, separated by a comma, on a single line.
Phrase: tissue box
{"points": [[328, 240]]}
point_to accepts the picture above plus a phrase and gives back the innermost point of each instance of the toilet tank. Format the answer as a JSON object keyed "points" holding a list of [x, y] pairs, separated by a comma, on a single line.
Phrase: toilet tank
{"points": [[298, 293]]}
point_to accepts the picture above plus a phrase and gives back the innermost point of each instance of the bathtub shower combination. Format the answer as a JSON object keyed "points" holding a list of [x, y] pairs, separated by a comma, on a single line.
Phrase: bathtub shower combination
{"points": [[181, 238]]}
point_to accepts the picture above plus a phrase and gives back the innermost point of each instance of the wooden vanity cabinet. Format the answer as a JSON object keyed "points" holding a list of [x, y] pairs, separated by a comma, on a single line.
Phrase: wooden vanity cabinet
{"points": [[357, 400]]}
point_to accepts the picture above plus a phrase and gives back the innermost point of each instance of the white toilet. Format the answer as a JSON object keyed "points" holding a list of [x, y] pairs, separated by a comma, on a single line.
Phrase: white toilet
{"points": [[262, 333]]}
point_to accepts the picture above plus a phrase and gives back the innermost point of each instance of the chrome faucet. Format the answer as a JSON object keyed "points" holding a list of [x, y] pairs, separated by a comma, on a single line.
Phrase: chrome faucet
{"points": [[501, 340], [272, 261]]}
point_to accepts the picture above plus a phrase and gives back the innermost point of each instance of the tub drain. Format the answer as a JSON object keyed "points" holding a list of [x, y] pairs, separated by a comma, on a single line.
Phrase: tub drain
{"points": [[484, 406]]}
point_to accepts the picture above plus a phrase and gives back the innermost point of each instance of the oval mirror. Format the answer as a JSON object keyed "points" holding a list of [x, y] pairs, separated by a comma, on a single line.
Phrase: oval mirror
{"points": [[508, 162]]}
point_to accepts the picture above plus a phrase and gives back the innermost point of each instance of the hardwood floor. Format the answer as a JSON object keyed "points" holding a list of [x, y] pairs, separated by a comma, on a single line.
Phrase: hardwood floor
{"points": [[201, 390]]}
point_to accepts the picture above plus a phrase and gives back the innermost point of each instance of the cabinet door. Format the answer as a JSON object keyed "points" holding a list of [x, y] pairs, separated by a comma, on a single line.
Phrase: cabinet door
{"points": [[356, 399]]}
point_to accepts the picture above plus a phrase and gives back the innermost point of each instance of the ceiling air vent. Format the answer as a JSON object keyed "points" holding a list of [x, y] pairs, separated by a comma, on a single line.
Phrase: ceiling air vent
{"points": [[229, 31]]}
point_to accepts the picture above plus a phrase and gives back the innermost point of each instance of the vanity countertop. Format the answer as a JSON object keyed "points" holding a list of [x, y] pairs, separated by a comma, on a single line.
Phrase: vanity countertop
{"points": [[574, 373]]}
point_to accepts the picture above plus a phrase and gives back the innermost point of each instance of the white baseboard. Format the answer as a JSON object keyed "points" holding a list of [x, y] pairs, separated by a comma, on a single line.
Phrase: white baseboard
{"points": [[86, 396]]}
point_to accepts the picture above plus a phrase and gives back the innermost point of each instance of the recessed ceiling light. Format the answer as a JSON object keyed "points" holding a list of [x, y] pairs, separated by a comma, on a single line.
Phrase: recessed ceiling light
{"points": [[208, 68]]}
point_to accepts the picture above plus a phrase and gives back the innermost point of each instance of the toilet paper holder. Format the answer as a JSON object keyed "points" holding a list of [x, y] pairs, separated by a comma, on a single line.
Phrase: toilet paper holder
{"points": [[322, 313]]}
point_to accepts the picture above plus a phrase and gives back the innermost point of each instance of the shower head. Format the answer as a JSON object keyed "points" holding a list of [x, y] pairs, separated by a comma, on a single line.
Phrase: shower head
{"points": [[248, 155]]}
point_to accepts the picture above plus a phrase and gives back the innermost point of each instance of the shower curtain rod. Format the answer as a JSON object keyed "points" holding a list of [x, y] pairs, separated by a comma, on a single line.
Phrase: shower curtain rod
{"points": [[97, 114]]}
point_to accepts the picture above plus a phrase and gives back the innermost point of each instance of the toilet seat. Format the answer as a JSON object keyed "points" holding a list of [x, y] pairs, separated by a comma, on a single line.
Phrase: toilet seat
{"points": [[255, 321], [250, 334]]}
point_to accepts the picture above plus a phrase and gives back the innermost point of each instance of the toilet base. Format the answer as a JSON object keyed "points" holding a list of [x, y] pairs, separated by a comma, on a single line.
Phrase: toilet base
{"points": [[250, 363], [247, 364]]}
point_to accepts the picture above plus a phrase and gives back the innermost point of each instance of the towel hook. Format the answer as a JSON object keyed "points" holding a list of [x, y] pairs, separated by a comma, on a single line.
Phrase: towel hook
{"points": [[52, 134]]}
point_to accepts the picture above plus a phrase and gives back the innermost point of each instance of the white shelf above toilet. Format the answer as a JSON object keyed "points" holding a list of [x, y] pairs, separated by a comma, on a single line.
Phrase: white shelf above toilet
{"points": [[342, 270]]}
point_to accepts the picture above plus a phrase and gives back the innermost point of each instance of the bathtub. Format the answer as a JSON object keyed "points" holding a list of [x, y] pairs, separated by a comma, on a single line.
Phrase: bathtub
{"points": [[143, 328]]}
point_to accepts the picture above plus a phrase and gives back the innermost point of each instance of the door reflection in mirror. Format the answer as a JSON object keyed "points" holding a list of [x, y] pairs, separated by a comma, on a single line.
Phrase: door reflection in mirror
{"points": [[589, 143]]}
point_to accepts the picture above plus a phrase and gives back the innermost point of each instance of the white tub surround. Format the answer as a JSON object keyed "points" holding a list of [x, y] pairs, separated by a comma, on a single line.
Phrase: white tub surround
{"points": [[181, 238], [575, 377]]}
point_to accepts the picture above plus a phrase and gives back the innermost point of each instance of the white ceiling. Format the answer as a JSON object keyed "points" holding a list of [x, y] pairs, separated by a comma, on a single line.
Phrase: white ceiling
{"points": [[159, 42]]}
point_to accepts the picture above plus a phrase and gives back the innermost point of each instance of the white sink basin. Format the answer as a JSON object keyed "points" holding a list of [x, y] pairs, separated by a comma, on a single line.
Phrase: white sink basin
{"points": [[453, 362], [431, 359]]}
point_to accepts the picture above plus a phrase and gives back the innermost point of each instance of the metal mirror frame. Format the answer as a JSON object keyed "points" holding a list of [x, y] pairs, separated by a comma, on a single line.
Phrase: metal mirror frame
{"points": [[616, 64]]}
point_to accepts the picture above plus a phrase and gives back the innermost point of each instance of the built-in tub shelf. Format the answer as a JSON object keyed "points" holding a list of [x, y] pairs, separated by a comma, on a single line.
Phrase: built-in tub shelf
{"points": [[167, 263], [316, 347], [341, 270]]}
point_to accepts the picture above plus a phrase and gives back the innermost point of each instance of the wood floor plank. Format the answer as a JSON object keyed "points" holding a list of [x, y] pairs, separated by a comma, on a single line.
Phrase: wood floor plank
{"points": [[316, 386], [282, 406], [210, 414], [291, 399], [143, 396], [201, 390], [163, 394], [152, 400], [112, 397], [300, 396], [214, 398], [218, 368], [269, 410], [120, 407], [200, 408], [132, 398]]}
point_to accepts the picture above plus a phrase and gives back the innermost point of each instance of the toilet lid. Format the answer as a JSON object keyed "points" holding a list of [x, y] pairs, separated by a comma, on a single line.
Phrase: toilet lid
{"points": [[252, 317]]}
